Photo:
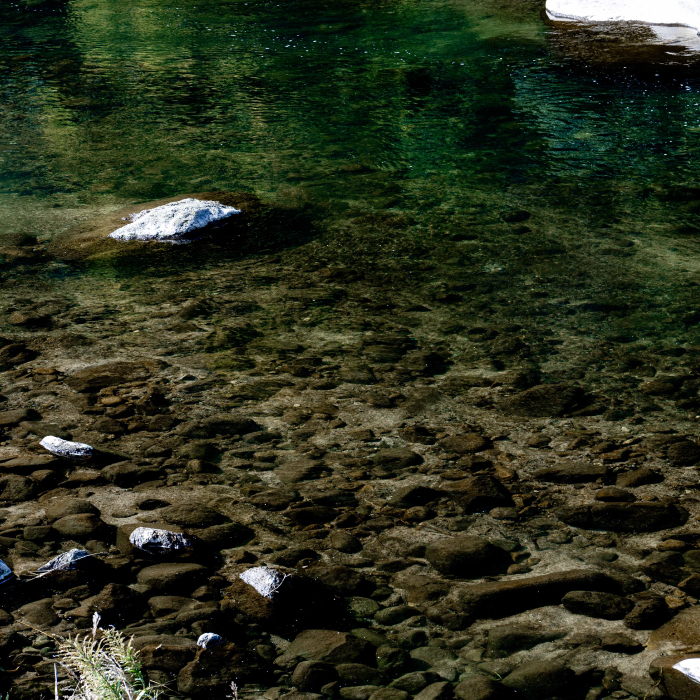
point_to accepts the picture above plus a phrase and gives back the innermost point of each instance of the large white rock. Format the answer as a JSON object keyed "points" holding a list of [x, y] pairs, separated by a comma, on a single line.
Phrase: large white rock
{"points": [[66, 448], [64, 562], [684, 13], [151, 539], [690, 668], [264, 580], [176, 222]]}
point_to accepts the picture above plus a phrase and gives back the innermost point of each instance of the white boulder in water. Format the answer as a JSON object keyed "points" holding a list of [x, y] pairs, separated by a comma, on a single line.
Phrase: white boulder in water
{"points": [[684, 13], [689, 668], [6, 574], [64, 562], [153, 540], [264, 580], [66, 448], [209, 639], [176, 222]]}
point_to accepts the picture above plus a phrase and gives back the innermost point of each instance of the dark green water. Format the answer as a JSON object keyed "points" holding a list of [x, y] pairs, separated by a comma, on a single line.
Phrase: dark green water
{"points": [[463, 136]]}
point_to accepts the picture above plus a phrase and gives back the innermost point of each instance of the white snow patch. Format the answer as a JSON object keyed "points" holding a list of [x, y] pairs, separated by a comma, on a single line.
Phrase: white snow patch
{"points": [[174, 221], [66, 448], [264, 580]]}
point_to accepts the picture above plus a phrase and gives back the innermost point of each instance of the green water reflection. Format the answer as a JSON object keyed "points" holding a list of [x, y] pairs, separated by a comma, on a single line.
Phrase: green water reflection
{"points": [[456, 115]]}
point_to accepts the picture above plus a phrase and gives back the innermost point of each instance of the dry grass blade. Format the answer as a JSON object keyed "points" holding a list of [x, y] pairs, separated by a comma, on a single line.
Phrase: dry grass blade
{"points": [[104, 668]]}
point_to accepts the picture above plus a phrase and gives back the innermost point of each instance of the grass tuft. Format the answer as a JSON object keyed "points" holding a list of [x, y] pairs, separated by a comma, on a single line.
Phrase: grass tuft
{"points": [[104, 667]]}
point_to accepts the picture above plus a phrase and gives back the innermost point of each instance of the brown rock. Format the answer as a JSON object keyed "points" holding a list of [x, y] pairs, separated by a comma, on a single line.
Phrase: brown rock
{"points": [[192, 515], [39, 613], [680, 633], [330, 646], [683, 453], [624, 517], [545, 401], [572, 473], [14, 417], [213, 670], [16, 488], [107, 374], [676, 684], [168, 654], [466, 556], [479, 494], [177, 578], [478, 688], [82, 527], [61, 507], [639, 477], [117, 604], [468, 443], [509, 597]]}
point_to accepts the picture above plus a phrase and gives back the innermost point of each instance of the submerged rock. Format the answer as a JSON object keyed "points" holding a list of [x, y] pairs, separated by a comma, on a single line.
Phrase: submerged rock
{"points": [[264, 580], [175, 222], [66, 448]]}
